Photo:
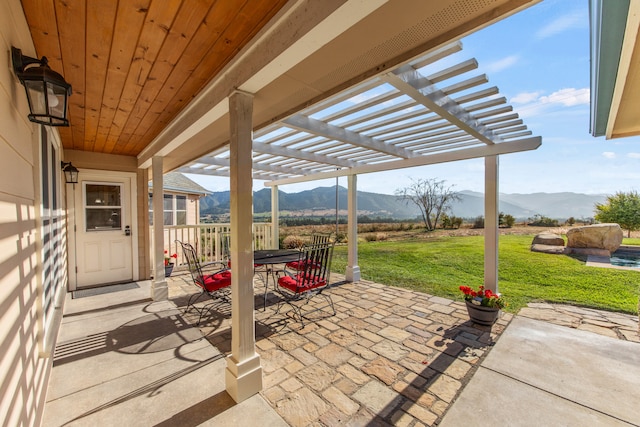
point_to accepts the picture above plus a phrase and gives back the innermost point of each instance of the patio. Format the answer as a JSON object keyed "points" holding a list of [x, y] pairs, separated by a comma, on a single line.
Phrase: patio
{"points": [[390, 356]]}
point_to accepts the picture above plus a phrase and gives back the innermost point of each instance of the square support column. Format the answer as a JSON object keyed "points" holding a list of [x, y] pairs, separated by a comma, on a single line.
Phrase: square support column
{"points": [[243, 376], [353, 270], [159, 287], [275, 216], [491, 230]]}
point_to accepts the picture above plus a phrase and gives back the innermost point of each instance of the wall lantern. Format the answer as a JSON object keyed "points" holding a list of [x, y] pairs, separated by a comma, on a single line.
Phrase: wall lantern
{"points": [[47, 91], [70, 173]]}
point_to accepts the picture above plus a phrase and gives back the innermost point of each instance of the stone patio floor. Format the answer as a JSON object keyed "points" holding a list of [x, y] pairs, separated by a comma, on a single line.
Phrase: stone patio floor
{"points": [[389, 356]]}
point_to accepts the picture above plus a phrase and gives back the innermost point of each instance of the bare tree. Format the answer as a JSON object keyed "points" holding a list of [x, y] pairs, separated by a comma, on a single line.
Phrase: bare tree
{"points": [[431, 196]]}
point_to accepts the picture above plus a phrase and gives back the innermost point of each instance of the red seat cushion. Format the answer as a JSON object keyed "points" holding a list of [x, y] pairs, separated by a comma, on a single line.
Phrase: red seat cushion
{"points": [[213, 282], [295, 265], [297, 284], [300, 265]]}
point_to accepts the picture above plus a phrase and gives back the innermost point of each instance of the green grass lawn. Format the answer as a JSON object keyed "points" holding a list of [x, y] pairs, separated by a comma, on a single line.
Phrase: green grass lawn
{"points": [[441, 265]]}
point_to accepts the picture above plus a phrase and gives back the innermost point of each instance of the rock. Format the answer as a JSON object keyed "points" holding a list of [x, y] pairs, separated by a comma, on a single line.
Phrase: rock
{"points": [[599, 236], [548, 239], [548, 249]]}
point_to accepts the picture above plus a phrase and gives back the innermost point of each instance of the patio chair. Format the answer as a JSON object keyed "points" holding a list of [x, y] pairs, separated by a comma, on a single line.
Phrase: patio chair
{"points": [[316, 239], [216, 285], [298, 287]]}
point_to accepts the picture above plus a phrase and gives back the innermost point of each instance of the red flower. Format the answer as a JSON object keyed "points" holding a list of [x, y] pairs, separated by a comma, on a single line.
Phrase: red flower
{"points": [[482, 296], [167, 258]]}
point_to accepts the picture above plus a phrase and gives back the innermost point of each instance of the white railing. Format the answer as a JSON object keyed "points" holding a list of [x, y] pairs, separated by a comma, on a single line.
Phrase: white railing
{"points": [[207, 239]]}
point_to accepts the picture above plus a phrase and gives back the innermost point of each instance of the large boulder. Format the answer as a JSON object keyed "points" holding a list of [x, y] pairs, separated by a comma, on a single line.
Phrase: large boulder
{"points": [[599, 236], [548, 238], [548, 243]]}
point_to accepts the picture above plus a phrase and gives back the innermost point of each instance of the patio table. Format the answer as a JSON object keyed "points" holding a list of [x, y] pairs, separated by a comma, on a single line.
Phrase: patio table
{"points": [[267, 258]]}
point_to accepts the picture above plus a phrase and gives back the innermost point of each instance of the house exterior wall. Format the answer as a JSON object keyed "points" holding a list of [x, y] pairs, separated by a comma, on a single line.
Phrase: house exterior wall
{"points": [[193, 209], [29, 311]]}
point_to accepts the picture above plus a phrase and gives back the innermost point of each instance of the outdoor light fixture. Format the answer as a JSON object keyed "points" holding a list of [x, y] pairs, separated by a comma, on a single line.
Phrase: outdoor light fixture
{"points": [[70, 173], [47, 91]]}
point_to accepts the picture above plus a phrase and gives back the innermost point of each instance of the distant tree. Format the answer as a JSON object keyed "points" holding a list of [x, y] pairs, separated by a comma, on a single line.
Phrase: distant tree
{"points": [[621, 208], [506, 220], [478, 222], [431, 196], [456, 221], [446, 221], [542, 221], [571, 221]]}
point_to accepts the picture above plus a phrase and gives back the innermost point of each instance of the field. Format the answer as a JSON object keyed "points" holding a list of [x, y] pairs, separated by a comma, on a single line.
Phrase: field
{"points": [[439, 262]]}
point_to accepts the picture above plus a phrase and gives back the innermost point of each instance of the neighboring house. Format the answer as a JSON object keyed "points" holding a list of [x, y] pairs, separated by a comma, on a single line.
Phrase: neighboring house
{"points": [[181, 200], [157, 85], [615, 68]]}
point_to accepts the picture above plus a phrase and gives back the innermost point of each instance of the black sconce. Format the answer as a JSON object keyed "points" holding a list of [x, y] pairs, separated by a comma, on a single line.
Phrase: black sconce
{"points": [[70, 173], [47, 91]]}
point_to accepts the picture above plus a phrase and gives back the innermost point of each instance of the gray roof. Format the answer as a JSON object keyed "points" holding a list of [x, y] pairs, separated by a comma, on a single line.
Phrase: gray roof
{"points": [[175, 181]]}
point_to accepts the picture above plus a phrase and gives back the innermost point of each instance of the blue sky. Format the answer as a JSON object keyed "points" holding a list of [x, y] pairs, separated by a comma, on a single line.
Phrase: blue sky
{"points": [[539, 59]]}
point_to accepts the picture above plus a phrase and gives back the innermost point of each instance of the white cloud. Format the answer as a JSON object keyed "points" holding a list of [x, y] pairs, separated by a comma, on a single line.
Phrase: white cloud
{"points": [[501, 64], [567, 97], [525, 97], [609, 155], [532, 104], [633, 155], [563, 23]]}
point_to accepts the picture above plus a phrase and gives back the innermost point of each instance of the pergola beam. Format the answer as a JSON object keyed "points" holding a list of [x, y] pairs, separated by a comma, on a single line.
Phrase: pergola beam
{"points": [[527, 144]]}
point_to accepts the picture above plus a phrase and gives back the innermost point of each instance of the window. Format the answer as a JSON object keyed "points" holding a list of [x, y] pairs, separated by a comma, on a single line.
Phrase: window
{"points": [[181, 210], [174, 209], [103, 206]]}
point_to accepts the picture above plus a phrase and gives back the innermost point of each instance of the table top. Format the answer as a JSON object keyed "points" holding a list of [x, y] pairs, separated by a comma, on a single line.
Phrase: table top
{"points": [[275, 256]]}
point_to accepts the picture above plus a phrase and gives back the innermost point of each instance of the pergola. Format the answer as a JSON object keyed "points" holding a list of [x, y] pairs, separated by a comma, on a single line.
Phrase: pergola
{"points": [[420, 113]]}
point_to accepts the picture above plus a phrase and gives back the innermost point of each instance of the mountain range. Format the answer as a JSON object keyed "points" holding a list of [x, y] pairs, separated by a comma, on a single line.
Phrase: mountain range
{"points": [[321, 201]]}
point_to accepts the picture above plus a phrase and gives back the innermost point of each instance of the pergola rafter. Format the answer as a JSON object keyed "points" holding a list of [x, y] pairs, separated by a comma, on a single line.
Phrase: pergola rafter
{"points": [[415, 114]]}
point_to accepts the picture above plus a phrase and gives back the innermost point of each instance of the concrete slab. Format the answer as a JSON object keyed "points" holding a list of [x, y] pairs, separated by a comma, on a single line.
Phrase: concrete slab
{"points": [[124, 360], [538, 371], [492, 399]]}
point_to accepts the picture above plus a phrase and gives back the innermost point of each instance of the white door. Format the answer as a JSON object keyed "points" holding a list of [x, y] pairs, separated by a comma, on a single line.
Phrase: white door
{"points": [[103, 229]]}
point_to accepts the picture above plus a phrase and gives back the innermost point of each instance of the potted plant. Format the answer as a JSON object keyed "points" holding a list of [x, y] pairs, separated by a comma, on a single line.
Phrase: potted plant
{"points": [[168, 263], [483, 305]]}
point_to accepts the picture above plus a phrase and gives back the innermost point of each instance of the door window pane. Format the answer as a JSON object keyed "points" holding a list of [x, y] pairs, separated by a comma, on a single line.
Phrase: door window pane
{"points": [[103, 210], [102, 195]]}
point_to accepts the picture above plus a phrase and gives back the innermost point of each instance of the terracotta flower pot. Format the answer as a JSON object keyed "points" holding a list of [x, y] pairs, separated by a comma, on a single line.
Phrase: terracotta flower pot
{"points": [[481, 315]]}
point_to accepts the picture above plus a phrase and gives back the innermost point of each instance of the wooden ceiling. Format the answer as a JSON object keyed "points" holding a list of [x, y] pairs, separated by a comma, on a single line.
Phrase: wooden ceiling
{"points": [[135, 64]]}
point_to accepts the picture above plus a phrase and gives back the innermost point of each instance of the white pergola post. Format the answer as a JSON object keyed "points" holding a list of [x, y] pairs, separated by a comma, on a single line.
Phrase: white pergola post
{"points": [[243, 376], [353, 270], [159, 287], [491, 231], [275, 217]]}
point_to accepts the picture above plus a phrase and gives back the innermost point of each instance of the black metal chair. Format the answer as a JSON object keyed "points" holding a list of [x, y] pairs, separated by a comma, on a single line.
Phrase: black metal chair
{"points": [[311, 279], [216, 285], [316, 239]]}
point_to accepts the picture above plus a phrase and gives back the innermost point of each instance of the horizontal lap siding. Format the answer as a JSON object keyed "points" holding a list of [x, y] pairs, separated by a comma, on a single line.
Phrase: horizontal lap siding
{"points": [[23, 372]]}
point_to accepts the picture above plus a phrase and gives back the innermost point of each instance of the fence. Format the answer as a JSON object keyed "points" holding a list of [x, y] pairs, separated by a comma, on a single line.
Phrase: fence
{"points": [[207, 240]]}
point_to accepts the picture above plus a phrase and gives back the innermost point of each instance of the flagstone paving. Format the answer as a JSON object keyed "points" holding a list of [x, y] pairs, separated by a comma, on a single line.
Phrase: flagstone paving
{"points": [[389, 356]]}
